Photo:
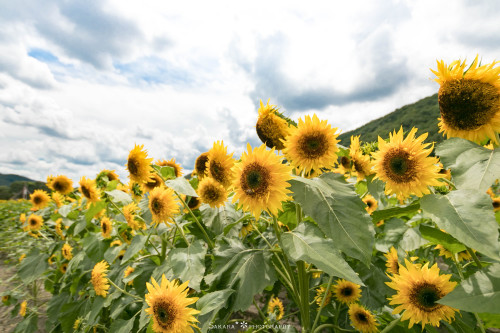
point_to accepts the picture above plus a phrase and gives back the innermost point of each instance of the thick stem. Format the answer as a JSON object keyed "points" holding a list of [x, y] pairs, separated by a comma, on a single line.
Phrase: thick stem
{"points": [[304, 295], [474, 257]]}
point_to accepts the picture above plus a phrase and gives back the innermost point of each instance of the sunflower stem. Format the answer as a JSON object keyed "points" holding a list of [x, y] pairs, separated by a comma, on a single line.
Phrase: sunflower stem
{"points": [[449, 183], [181, 232], [304, 295], [198, 223], [323, 301], [163, 249], [474, 257], [479, 323], [123, 291], [261, 314], [391, 325]]}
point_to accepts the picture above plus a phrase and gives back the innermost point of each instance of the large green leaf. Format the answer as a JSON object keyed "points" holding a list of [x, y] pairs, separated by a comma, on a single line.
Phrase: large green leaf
{"points": [[135, 246], [120, 197], [479, 293], [122, 326], [438, 237], [385, 214], [181, 186], [33, 266], [472, 166], [210, 304], [189, 263], [467, 216], [339, 212], [393, 231], [309, 244]]}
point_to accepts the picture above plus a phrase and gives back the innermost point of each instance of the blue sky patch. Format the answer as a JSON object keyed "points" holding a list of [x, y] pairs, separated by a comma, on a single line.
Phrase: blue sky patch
{"points": [[42, 55]]}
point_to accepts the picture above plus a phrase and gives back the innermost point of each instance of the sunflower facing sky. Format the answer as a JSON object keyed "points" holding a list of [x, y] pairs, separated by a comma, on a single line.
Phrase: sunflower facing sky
{"points": [[362, 319], [39, 199], [99, 280], [311, 146], [219, 163], [418, 289], [469, 99], [138, 165], [89, 189], [260, 181], [211, 192], [163, 205], [405, 166], [168, 305], [153, 182], [271, 126], [346, 292]]}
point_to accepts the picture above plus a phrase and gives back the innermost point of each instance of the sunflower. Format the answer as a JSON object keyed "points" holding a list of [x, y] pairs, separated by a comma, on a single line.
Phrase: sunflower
{"points": [[171, 163], [311, 146], [272, 127], [260, 181], [106, 227], [496, 204], [462, 255], [22, 218], [58, 199], [99, 280], [89, 190], [129, 270], [469, 100], [392, 263], [404, 165], [66, 251], [194, 202], [371, 203], [59, 228], [64, 267], [200, 165], [361, 163], [163, 204], [130, 212], [219, 164], [35, 222], [168, 305], [21, 258], [346, 292], [362, 319], [212, 192], [154, 182], [51, 259], [116, 242], [5, 299], [138, 165], [320, 293], [276, 307], [22, 309], [418, 289], [246, 229], [61, 184], [110, 174], [39, 199]]}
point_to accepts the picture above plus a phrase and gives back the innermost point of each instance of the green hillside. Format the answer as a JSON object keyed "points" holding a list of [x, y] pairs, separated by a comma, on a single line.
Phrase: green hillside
{"points": [[422, 114], [6, 180], [11, 186]]}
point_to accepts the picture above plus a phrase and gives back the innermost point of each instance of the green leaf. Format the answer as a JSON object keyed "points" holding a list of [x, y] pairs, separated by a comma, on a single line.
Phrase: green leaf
{"points": [[210, 304], [64, 210], [479, 293], [309, 244], [467, 216], [339, 212], [94, 247], [122, 326], [412, 240], [374, 293], [472, 166], [392, 233], [135, 246], [189, 263], [93, 210], [221, 219], [490, 320], [33, 266], [181, 186], [120, 197], [436, 236], [27, 325], [395, 212]]}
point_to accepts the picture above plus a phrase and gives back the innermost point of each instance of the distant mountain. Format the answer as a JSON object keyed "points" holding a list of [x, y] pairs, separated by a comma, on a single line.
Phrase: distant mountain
{"points": [[11, 186], [6, 180], [422, 115]]}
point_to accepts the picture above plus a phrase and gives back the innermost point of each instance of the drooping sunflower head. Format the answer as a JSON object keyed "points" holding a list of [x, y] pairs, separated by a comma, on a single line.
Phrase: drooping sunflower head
{"points": [[39, 199], [496, 204], [392, 263], [106, 227], [130, 212], [469, 99], [260, 181], [321, 293], [371, 203], [272, 127], [276, 307], [219, 164], [194, 202], [89, 189], [362, 319], [418, 288], [361, 164], [212, 192], [171, 163], [200, 165], [405, 166], [138, 165], [153, 182], [66, 251], [35, 222], [168, 305], [99, 279], [311, 146], [346, 292], [61, 184], [163, 205]]}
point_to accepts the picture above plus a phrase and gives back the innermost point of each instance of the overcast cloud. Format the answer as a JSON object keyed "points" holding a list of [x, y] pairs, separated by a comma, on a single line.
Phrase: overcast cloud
{"points": [[81, 82]]}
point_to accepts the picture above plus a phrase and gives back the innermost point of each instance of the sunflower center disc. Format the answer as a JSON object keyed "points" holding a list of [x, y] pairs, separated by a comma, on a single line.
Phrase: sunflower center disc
{"points": [[58, 186], [217, 171], [164, 314], [37, 200], [345, 162], [255, 179], [104, 227], [360, 316], [424, 296], [313, 145], [496, 204], [346, 291], [398, 165], [85, 192], [212, 194], [132, 166], [156, 205], [467, 104]]}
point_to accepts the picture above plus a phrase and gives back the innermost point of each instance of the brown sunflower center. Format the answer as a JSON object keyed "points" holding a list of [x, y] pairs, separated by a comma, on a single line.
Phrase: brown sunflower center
{"points": [[133, 166], [193, 202], [254, 180], [399, 166], [111, 176], [165, 314], [369, 203], [313, 145], [33, 222], [59, 186], [361, 317], [211, 194], [424, 296], [468, 104], [37, 200], [346, 291], [201, 164], [217, 171], [345, 162], [496, 204], [105, 227], [152, 183], [156, 206], [86, 192]]}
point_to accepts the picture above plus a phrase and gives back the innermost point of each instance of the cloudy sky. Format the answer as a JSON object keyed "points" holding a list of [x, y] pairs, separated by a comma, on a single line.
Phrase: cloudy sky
{"points": [[82, 81]]}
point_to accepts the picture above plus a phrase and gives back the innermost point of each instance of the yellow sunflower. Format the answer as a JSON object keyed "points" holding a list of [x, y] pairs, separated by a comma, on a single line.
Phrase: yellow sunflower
{"points": [[219, 164], [110, 174], [130, 212], [361, 163], [64, 267], [362, 319], [469, 100], [116, 242], [496, 204], [22, 218], [405, 165], [212, 192], [129, 270], [153, 182], [138, 165], [89, 190], [66, 251], [272, 127], [58, 199], [194, 202], [200, 165], [275, 306], [59, 228], [462, 255], [171, 163], [320, 293], [22, 309], [163, 205], [61, 184], [312, 145], [168, 305], [99, 280], [51, 259], [260, 181], [39, 199], [21, 258], [35, 222], [392, 263], [418, 289], [106, 227], [346, 292], [371, 203], [246, 228]]}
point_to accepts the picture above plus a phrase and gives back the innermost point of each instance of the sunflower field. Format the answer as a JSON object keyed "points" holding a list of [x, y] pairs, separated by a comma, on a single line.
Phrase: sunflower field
{"points": [[299, 234]]}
